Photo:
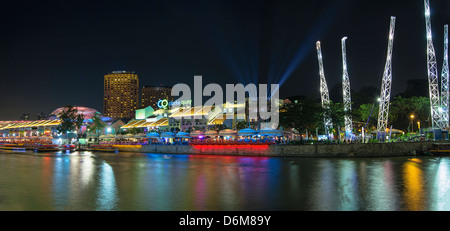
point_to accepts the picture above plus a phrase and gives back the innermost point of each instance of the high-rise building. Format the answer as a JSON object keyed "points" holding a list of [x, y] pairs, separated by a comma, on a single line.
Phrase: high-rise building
{"points": [[121, 94], [150, 95]]}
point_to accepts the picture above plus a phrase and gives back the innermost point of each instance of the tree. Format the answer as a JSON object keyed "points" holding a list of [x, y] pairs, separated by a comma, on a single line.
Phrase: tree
{"points": [[135, 131], [70, 120], [97, 124], [301, 114], [402, 108], [337, 114], [367, 114], [241, 125]]}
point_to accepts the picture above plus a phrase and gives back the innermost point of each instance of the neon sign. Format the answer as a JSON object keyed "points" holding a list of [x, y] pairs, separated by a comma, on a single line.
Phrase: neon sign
{"points": [[164, 103]]}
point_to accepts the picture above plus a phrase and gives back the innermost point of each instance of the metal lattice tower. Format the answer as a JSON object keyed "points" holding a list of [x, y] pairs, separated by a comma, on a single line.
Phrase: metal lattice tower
{"points": [[433, 81], [324, 95], [386, 83], [444, 82], [346, 91]]}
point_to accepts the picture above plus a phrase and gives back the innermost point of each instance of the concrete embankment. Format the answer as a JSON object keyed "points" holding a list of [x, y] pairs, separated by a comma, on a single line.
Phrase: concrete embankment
{"points": [[312, 150]]}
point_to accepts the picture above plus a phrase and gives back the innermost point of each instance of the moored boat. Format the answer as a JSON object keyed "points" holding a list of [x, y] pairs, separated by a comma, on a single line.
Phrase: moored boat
{"points": [[103, 148], [46, 148], [440, 149], [68, 148], [12, 147]]}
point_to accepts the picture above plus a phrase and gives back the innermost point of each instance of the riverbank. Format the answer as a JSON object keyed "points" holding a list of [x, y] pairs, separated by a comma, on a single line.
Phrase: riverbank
{"points": [[312, 150]]}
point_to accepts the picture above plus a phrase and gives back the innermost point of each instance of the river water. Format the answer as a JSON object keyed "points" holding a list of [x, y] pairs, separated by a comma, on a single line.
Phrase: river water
{"points": [[136, 182]]}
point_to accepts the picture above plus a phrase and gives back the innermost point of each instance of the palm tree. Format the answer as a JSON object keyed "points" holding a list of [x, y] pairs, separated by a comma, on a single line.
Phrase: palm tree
{"points": [[70, 120], [97, 124]]}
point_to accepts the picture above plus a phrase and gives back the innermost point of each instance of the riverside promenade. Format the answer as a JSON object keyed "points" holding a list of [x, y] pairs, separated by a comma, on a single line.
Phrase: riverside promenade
{"points": [[311, 150]]}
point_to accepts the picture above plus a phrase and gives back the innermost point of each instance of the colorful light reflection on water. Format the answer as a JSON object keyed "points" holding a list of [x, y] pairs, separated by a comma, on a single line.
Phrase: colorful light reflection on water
{"points": [[130, 181]]}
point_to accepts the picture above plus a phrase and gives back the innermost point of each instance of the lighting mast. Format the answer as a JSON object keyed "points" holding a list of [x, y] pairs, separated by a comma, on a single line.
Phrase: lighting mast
{"points": [[433, 82], [444, 81], [386, 86], [324, 95], [346, 92]]}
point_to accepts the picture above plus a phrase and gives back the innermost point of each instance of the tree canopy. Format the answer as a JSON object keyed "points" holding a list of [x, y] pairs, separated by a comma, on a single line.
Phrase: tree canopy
{"points": [[307, 113], [71, 120], [301, 114], [97, 124]]}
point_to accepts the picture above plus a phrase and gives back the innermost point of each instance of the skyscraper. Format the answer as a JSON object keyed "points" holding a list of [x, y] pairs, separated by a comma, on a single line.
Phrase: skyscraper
{"points": [[152, 94], [121, 94]]}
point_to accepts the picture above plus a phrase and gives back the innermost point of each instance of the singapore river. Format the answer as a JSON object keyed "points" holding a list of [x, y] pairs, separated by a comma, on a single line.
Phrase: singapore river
{"points": [[89, 181]]}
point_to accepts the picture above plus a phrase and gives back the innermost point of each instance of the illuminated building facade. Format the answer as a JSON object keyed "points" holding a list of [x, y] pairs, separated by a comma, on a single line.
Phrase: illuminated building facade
{"points": [[121, 94], [167, 118], [150, 95]]}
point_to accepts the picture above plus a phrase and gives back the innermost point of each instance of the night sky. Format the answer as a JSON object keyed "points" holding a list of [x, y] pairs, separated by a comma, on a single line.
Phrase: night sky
{"points": [[54, 54]]}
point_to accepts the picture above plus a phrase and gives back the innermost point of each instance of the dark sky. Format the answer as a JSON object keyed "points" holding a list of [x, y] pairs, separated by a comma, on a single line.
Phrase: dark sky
{"points": [[54, 54]]}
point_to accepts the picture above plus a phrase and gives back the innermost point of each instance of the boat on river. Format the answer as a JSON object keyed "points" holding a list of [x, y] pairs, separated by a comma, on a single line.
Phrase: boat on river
{"points": [[68, 148], [103, 148], [15, 147], [439, 149], [46, 148]]}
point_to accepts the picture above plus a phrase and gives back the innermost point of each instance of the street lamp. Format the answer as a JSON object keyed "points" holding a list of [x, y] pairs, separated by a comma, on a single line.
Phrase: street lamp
{"points": [[412, 124]]}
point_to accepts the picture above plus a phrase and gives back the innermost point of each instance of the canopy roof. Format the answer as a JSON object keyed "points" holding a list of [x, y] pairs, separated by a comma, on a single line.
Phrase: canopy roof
{"points": [[270, 132], [193, 111], [197, 133], [217, 120], [140, 135], [247, 132], [211, 133], [134, 124], [144, 123], [227, 132], [36, 123], [153, 135], [168, 135], [182, 135]]}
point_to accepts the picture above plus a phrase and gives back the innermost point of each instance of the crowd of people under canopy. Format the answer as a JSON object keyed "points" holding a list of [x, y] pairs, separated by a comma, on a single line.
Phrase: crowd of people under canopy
{"points": [[227, 136]]}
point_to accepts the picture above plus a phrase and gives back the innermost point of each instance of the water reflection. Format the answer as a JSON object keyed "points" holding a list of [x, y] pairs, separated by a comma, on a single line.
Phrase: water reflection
{"points": [[440, 185], [131, 181], [324, 191], [414, 191], [60, 184], [381, 196], [107, 197], [348, 186]]}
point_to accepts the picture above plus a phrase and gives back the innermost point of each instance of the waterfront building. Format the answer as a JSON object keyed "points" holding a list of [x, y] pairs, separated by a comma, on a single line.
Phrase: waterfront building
{"points": [[45, 127], [187, 119], [121, 94], [28, 129], [144, 113], [150, 95]]}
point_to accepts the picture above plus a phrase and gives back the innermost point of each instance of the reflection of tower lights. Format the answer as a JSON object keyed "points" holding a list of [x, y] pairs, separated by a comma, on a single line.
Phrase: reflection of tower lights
{"points": [[413, 194], [442, 200]]}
